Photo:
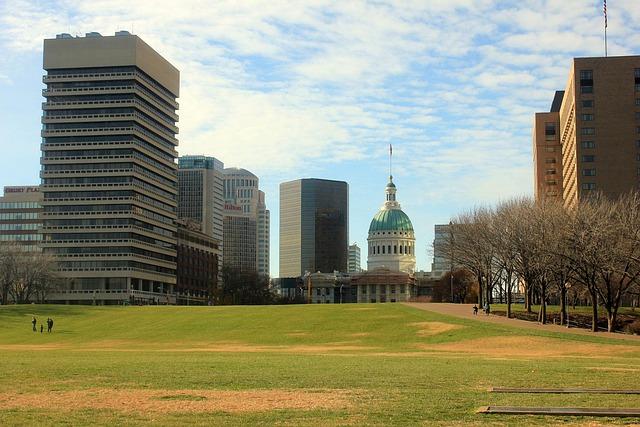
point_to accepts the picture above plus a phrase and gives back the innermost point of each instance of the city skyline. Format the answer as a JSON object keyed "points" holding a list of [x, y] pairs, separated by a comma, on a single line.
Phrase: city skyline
{"points": [[298, 93]]}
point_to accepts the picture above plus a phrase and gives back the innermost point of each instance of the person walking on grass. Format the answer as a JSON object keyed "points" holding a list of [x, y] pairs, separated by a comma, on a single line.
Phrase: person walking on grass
{"points": [[41, 328], [34, 322], [475, 310], [50, 325]]}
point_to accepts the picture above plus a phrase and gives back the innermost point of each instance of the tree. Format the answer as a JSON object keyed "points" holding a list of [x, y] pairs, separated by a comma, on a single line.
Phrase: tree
{"points": [[244, 287]]}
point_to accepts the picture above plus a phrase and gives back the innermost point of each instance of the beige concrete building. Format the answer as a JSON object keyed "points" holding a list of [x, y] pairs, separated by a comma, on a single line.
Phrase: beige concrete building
{"points": [[20, 217], [109, 178], [598, 129]]}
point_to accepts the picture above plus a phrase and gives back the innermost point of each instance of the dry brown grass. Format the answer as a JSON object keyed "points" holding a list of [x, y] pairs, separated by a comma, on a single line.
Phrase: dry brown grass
{"points": [[528, 347], [426, 329], [163, 401]]}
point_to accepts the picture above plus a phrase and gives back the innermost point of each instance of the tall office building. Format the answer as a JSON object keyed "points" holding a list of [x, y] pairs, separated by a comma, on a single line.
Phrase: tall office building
{"points": [[314, 226], [598, 130], [201, 195], [108, 167], [263, 236], [241, 196], [354, 259], [20, 217], [547, 152]]}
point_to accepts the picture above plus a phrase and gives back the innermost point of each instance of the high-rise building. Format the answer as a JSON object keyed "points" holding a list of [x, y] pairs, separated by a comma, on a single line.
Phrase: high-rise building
{"points": [[242, 197], [108, 168], [314, 226], [598, 131], [547, 152], [354, 259], [201, 195], [20, 217], [264, 226]]}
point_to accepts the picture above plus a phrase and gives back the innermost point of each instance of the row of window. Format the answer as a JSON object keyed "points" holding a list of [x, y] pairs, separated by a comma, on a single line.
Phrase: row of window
{"points": [[19, 205], [372, 289], [20, 237], [19, 226], [18, 215], [386, 249]]}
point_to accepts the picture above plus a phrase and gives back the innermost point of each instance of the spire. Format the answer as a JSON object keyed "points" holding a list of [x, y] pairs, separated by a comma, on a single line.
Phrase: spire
{"points": [[390, 189], [390, 162]]}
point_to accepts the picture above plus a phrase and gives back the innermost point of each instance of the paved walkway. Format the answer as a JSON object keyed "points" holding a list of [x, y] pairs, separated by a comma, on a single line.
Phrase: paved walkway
{"points": [[466, 311]]}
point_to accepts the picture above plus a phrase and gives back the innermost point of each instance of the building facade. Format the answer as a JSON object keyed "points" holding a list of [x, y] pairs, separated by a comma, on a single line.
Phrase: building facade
{"points": [[547, 152], [108, 168], [197, 272], [20, 217], [246, 222], [391, 241], [598, 129], [383, 285], [354, 259], [314, 226], [263, 235], [201, 196]]}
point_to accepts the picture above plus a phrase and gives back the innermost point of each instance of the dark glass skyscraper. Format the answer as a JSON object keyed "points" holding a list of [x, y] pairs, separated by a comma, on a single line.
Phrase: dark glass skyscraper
{"points": [[108, 167], [314, 226]]}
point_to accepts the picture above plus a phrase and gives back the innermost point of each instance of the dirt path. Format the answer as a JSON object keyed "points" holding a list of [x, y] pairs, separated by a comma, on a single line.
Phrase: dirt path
{"points": [[466, 311]]}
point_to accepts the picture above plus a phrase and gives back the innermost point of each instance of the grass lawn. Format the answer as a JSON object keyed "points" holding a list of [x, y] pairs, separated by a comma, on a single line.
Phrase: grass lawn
{"points": [[384, 364]]}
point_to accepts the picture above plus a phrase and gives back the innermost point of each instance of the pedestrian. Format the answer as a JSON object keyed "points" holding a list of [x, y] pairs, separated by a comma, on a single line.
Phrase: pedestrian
{"points": [[34, 322], [475, 310], [41, 328], [50, 325]]}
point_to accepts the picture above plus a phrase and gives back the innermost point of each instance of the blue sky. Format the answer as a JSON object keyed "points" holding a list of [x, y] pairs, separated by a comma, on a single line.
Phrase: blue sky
{"points": [[321, 88]]}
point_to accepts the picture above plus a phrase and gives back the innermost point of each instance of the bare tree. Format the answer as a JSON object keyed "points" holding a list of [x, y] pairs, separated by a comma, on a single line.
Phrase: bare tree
{"points": [[9, 253]]}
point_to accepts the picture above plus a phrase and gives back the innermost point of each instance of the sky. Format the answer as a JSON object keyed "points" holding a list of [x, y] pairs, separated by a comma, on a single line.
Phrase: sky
{"points": [[319, 89]]}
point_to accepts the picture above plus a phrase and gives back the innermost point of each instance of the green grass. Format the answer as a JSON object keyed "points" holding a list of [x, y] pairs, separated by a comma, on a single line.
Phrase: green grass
{"points": [[393, 381]]}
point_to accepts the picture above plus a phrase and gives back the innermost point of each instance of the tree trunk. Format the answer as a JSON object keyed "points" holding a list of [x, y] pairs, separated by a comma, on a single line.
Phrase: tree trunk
{"points": [[611, 321], [563, 305], [529, 298], [594, 315], [480, 296], [543, 303], [508, 284]]}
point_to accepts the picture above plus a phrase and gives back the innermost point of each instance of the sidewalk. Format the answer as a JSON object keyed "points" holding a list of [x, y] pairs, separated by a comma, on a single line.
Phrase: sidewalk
{"points": [[466, 311]]}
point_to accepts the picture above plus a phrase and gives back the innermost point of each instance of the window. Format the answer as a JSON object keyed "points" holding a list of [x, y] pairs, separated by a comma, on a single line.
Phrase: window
{"points": [[587, 103], [588, 158], [549, 131], [586, 117], [383, 247], [395, 249], [586, 81], [588, 131], [550, 172], [638, 129], [389, 249], [550, 149], [637, 79], [588, 172], [638, 157], [589, 186], [637, 115], [638, 102], [588, 144], [550, 160]]}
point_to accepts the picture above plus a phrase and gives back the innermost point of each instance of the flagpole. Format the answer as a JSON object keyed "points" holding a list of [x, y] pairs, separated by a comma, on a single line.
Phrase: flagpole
{"points": [[604, 8]]}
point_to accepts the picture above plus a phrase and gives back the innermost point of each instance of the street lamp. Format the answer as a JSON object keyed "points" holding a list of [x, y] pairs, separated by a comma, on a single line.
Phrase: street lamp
{"points": [[451, 259]]}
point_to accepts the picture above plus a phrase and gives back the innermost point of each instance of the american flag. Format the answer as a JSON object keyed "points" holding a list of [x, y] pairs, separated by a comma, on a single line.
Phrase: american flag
{"points": [[604, 8], [390, 149]]}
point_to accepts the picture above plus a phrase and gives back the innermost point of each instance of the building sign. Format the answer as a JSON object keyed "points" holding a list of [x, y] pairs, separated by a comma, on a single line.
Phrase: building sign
{"points": [[21, 190], [234, 208]]}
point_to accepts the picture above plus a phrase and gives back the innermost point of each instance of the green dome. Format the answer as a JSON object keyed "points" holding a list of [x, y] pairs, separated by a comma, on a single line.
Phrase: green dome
{"points": [[390, 220]]}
